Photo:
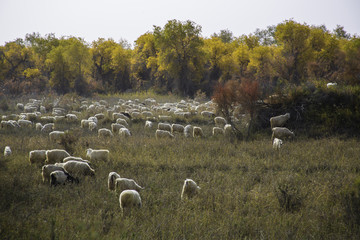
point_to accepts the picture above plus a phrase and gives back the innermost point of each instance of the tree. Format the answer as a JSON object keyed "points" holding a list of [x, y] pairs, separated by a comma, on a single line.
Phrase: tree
{"points": [[226, 36], [180, 54], [340, 32], [233, 95], [121, 65]]}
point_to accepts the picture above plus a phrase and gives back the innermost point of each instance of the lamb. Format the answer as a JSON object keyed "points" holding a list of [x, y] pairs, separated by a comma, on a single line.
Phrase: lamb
{"points": [[97, 155], [218, 131], [197, 132], [92, 125], [279, 121], [56, 136], [164, 126], [220, 121], [188, 131], [46, 170], [104, 132], [122, 184], [7, 151], [148, 124], [124, 132], [56, 155], [163, 134], [277, 143], [37, 156], [60, 177], [190, 189], [48, 127], [281, 132], [78, 169], [177, 128], [111, 180], [129, 199]]}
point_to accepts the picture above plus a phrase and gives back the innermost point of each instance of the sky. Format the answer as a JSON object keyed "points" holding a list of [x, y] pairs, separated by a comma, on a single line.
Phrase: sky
{"points": [[128, 20]]}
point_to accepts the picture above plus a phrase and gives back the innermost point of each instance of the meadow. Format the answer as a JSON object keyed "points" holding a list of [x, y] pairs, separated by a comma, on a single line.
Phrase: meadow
{"points": [[307, 190]]}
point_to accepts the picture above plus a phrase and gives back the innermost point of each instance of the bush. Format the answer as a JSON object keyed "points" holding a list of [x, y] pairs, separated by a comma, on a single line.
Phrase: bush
{"points": [[288, 194]]}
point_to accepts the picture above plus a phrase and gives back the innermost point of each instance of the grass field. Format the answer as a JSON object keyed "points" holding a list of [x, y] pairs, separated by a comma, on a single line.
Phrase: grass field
{"points": [[307, 190]]}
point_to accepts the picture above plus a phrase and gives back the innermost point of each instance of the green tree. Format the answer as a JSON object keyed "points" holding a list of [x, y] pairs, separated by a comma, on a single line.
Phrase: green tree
{"points": [[121, 66], [180, 54]]}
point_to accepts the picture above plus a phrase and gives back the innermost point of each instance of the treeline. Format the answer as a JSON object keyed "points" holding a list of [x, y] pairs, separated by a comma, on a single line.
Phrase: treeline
{"points": [[176, 58]]}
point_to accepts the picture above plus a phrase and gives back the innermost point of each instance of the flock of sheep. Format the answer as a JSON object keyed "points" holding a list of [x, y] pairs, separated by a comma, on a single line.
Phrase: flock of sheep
{"points": [[60, 167]]}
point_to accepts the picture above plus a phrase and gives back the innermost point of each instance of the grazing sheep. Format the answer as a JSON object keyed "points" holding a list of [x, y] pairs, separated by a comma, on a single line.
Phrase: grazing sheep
{"points": [[188, 131], [163, 134], [177, 128], [24, 123], [218, 131], [282, 133], [99, 116], [164, 118], [37, 156], [129, 199], [207, 114], [220, 121], [104, 132], [71, 117], [85, 123], [78, 169], [60, 177], [277, 143], [328, 85], [124, 132], [48, 127], [111, 180], [164, 126], [197, 132], [122, 121], [56, 136], [72, 158], [116, 116], [46, 170], [38, 126], [97, 155], [279, 121], [228, 129], [115, 127], [93, 119], [148, 124], [190, 189], [7, 151], [92, 125], [122, 184], [56, 155]]}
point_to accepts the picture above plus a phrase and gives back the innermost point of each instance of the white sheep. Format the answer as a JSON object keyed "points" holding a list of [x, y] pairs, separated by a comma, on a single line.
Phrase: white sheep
{"points": [[122, 184], [148, 124], [228, 130], [190, 189], [56, 155], [37, 156], [188, 131], [97, 154], [46, 170], [93, 119], [55, 136], [177, 128], [60, 177], [115, 127], [92, 125], [163, 134], [85, 123], [104, 132], [122, 121], [71, 117], [7, 151], [38, 126], [277, 143], [48, 127], [111, 180], [207, 114], [198, 132], [328, 85], [129, 199], [279, 121], [78, 169], [124, 132], [72, 158], [99, 116], [282, 133], [218, 131], [164, 126], [220, 121], [24, 123], [164, 118]]}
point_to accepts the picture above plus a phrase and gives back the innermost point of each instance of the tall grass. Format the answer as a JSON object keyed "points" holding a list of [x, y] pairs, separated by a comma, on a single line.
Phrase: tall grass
{"points": [[248, 190]]}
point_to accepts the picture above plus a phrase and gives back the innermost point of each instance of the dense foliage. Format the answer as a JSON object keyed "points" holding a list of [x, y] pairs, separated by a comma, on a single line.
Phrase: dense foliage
{"points": [[176, 58]]}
